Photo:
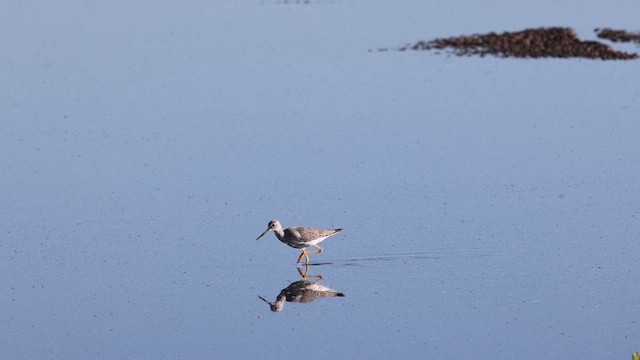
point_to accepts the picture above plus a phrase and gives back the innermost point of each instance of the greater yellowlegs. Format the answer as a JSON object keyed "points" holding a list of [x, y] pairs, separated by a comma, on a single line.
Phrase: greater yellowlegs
{"points": [[300, 237], [302, 291]]}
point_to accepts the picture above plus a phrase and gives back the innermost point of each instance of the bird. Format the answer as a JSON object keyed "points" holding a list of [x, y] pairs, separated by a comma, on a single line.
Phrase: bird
{"points": [[300, 237], [301, 291]]}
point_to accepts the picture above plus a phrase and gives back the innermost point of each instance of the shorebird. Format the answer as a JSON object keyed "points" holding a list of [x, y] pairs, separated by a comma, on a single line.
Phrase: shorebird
{"points": [[300, 237], [301, 291]]}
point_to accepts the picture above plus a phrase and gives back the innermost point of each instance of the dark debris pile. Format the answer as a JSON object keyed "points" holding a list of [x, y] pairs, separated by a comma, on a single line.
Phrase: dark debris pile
{"points": [[618, 35], [531, 43]]}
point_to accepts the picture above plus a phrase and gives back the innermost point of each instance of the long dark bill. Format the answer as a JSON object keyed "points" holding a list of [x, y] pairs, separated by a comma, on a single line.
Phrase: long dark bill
{"points": [[261, 235]]}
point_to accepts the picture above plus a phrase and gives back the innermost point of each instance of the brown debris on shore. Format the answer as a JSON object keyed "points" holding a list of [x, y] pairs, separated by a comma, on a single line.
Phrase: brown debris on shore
{"points": [[530, 43], [618, 35]]}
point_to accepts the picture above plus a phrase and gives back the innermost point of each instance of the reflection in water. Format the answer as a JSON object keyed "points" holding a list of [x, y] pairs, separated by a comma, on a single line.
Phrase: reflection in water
{"points": [[302, 291]]}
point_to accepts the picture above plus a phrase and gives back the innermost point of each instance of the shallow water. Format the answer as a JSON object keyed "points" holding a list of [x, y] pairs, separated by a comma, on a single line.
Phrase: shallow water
{"points": [[490, 205]]}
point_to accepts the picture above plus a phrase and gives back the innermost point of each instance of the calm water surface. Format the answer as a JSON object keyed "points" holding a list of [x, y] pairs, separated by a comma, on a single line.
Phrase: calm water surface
{"points": [[490, 206]]}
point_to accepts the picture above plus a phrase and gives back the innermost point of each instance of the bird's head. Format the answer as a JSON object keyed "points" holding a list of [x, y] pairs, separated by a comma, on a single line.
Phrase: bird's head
{"points": [[274, 306], [274, 225]]}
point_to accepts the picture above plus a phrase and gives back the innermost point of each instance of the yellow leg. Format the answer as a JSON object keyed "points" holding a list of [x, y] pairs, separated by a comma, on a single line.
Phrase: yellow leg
{"points": [[305, 276], [306, 254], [319, 251]]}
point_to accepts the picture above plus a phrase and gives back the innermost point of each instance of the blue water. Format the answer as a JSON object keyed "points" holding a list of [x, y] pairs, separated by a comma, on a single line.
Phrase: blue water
{"points": [[489, 205]]}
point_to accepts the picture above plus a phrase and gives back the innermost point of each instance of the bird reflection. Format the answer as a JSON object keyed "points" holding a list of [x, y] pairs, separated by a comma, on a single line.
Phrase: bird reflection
{"points": [[302, 291]]}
